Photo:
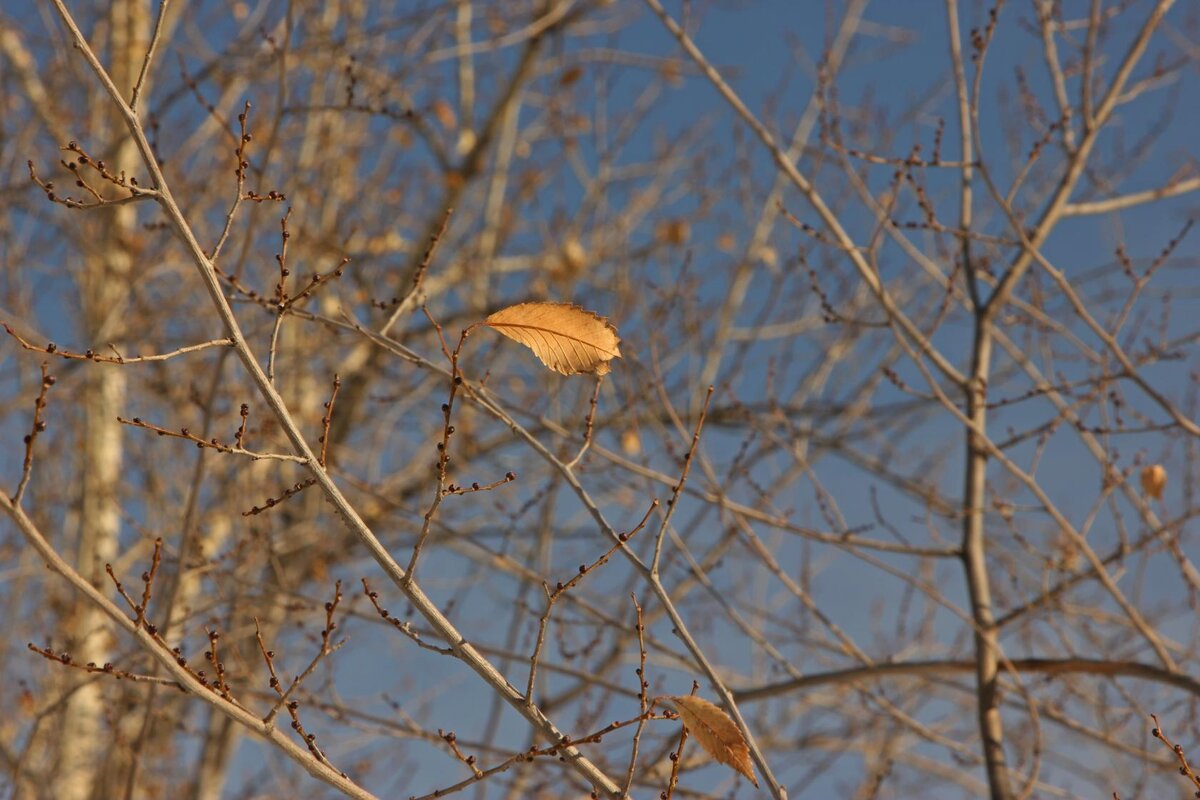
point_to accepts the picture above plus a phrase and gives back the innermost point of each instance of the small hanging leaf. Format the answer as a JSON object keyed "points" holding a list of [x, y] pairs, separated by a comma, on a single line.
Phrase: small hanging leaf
{"points": [[672, 231], [716, 733], [574, 256], [444, 113], [1154, 480], [563, 336], [768, 255], [570, 75]]}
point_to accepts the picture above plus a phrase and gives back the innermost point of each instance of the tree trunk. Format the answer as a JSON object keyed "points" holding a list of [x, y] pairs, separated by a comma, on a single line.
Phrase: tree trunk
{"points": [[104, 295]]}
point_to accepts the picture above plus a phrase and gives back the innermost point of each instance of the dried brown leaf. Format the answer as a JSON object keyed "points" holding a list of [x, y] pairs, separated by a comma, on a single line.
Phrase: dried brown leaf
{"points": [[570, 75], [1154, 480], [672, 231], [563, 336], [444, 113], [716, 733], [571, 262], [672, 72]]}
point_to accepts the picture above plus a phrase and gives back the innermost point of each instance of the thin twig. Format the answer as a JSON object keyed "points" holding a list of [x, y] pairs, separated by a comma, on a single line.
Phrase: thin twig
{"points": [[404, 627], [154, 38], [441, 466], [38, 426], [105, 669], [243, 140], [328, 418], [591, 418], [410, 299], [643, 694], [148, 582], [678, 488], [288, 493], [677, 757], [213, 444], [561, 588], [91, 355], [1185, 768], [281, 295], [285, 701]]}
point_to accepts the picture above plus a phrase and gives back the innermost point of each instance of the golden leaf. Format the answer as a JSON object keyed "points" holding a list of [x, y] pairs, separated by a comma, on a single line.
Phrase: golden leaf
{"points": [[466, 141], [570, 75], [672, 231], [1154, 480], [443, 112], [672, 72], [716, 733], [767, 255], [563, 336], [572, 258]]}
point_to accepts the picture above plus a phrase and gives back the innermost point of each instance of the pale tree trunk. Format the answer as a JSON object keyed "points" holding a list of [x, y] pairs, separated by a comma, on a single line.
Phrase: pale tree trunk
{"points": [[220, 741], [104, 295]]}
